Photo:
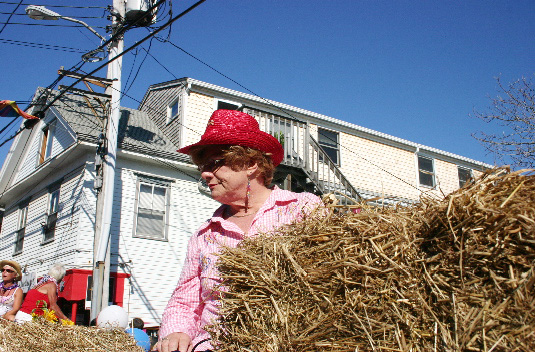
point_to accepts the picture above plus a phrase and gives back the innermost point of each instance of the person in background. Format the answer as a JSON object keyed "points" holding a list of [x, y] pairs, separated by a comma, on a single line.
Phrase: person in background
{"points": [[47, 291], [10, 291], [237, 160], [138, 323]]}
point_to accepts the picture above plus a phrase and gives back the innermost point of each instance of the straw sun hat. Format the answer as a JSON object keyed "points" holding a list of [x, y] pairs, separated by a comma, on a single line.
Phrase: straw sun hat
{"points": [[14, 265], [231, 127]]}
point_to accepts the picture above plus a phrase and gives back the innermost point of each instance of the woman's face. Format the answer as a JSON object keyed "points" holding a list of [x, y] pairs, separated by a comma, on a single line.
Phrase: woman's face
{"points": [[8, 273], [226, 185]]}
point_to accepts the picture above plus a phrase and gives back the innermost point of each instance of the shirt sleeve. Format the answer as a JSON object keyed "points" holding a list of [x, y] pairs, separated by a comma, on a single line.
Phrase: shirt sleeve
{"points": [[183, 311]]}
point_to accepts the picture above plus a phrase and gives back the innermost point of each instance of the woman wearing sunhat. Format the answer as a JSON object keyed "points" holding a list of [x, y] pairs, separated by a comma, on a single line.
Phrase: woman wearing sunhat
{"points": [[10, 292], [237, 161]]}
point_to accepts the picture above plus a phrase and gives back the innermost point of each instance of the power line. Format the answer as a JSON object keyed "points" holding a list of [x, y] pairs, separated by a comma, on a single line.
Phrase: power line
{"points": [[42, 46], [11, 15], [47, 25], [25, 15], [287, 113], [65, 6], [127, 50]]}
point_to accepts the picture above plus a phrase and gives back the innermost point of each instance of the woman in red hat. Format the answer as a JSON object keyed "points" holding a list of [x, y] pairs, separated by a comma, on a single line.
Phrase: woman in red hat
{"points": [[237, 160]]}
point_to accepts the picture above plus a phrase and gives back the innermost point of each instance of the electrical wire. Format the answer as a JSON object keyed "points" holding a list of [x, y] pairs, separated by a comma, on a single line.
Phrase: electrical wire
{"points": [[64, 6], [152, 34], [47, 25], [127, 88], [42, 46], [11, 15], [288, 114], [126, 51], [25, 15]]}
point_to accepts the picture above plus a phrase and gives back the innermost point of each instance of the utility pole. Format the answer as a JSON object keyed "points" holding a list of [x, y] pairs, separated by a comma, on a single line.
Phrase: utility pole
{"points": [[103, 217]]}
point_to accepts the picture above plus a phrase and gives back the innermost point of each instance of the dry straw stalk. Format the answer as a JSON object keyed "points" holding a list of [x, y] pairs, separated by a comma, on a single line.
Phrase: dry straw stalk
{"points": [[448, 275]]}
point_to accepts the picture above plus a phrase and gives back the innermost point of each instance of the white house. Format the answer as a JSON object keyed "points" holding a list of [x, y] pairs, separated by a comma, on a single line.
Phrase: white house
{"points": [[47, 183]]}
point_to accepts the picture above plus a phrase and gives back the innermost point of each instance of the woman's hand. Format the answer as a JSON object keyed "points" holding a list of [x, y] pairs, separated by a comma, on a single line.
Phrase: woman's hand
{"points": [[8, 316], [176, 341]]}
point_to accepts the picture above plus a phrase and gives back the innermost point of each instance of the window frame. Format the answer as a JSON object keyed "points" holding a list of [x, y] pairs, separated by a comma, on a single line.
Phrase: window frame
{"points": [[324, 146], [470, 174], [153, 182], [179, 101], [22, 222], [48, 132], [426, 172], [53, 208], [239, 106]]}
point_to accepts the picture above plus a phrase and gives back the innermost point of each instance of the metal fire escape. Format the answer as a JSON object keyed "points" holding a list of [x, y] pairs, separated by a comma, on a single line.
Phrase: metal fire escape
{"points": [[306, 166]]}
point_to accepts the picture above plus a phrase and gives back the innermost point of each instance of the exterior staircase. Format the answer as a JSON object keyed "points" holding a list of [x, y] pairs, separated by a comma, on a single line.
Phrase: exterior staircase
{"points": [[306, 166]]}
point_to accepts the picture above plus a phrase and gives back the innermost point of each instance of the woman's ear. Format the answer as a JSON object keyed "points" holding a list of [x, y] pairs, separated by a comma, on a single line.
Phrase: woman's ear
{"points": [[251, 170]]}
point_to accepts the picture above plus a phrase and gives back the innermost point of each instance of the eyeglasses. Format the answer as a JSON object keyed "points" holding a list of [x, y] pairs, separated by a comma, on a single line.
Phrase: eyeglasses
{"points": [[8, 270], [211, 166]]}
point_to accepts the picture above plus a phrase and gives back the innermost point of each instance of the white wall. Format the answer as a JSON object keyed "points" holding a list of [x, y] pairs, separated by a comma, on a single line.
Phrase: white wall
{"points": [[155, 265], [38, 257], [62, 138]]}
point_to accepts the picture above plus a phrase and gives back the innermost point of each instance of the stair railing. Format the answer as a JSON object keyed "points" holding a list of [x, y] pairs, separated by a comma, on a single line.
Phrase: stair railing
{"points": [[302, 151]]}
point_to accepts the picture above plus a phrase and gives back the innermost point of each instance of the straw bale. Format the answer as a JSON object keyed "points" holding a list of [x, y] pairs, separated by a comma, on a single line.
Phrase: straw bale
{"points": [[43, 336], [479, 244], [449, 275]]}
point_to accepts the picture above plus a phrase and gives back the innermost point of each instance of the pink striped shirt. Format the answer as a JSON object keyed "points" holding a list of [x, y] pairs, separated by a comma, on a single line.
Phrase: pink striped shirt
{"points": [[192, 305]]}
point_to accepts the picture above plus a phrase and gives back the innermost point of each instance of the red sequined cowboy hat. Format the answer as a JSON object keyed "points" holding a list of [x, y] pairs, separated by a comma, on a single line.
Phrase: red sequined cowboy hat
{"points": [[231, 127]]}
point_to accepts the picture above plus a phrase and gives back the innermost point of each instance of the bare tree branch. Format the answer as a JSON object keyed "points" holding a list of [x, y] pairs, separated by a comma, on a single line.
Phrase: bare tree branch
{"points": [[514, 110]]}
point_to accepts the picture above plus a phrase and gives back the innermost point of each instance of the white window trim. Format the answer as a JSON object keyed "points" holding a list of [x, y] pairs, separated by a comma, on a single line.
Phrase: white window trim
{"points": [[434, 174], [50, 127], [470, 171], [217, 100], [22, 212], [339, 154], [180, 113], [48, 213], [161, 183]]}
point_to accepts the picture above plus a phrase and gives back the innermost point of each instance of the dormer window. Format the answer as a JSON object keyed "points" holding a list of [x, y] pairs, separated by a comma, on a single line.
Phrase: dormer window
{"points": [[47, 139], [174, 110]]}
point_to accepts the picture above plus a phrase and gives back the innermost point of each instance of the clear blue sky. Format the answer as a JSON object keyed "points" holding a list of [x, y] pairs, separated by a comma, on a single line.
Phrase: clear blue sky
{"points": [[411, 69]]}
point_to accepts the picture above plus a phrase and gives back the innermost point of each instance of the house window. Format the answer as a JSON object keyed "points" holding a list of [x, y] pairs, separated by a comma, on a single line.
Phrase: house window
{"points": [[328, 141], [49, 228], [228, 105], [174, 110], [464, 175], [426, 171], [45, 150], [151, 208], [21, 229]]}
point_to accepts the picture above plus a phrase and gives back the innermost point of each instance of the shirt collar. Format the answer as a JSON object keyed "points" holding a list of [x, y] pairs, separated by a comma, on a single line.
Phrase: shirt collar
{"points": [[278, 196]]}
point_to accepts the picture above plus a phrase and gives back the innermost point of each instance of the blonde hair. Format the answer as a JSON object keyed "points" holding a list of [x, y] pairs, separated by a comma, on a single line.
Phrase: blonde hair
{"points": [[238, 158]]}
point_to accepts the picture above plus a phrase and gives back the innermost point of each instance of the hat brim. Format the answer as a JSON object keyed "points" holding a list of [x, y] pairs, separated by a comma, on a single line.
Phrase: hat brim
{"points": [[259, 140]]}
